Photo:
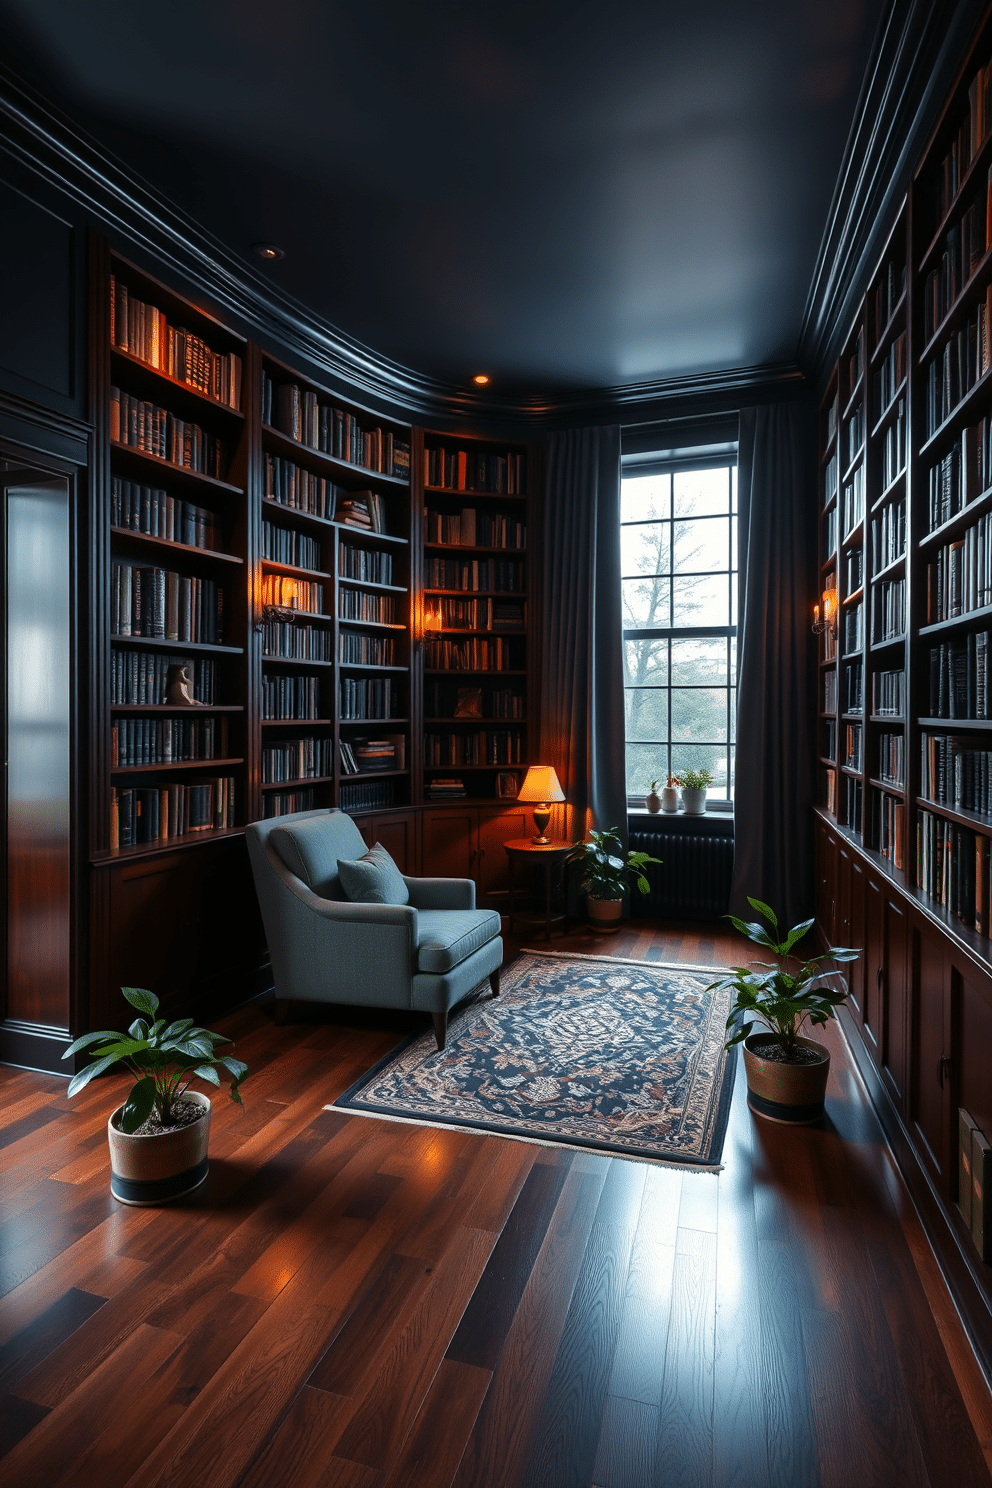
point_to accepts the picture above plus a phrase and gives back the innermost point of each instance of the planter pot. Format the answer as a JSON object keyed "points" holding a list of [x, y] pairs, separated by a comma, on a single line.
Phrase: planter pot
{"points": [[790, 1093], [653, 802], [604, 914], [156, 1169], [694, 801], [669, 798]]}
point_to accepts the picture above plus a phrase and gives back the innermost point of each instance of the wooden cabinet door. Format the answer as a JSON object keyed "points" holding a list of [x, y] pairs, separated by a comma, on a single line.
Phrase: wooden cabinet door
{"points": [[398, 834], [450, 842], [826, 882], [970, 1077], [929, 1096], [494, 829], [895, 988], [855, 971], [873, 1004]]}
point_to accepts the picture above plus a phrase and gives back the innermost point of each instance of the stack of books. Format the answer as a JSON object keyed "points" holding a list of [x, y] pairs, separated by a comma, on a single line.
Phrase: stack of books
{"points": [[446, 790], [364, 509], [381, 754]]}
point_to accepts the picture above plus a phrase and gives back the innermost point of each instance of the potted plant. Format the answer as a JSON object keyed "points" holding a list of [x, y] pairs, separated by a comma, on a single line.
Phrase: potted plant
{"points": [[670, 795], [158, 1137], [786, 1072], [694, 784], [652, 800], [605, 875]]}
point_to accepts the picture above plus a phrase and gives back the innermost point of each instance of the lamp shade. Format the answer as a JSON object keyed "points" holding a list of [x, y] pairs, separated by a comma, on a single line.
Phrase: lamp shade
{"points": [[541, 785]]}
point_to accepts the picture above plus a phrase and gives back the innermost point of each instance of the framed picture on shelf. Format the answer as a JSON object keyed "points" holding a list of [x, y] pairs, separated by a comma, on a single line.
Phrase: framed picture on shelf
{"points": [[507, 785]]}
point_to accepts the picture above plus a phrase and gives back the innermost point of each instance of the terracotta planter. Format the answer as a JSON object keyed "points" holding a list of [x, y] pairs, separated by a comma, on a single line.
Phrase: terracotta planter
{"points": [[604, 914], [669, 798], [653, 802], [156, 1169], [790, 1093], [694, 800]]}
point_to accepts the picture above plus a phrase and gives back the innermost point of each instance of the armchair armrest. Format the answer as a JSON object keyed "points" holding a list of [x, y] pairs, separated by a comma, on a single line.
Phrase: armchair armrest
{"points": [[441, 893]]}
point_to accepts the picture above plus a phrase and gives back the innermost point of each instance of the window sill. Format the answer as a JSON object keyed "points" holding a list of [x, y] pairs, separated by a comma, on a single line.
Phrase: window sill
{"points": [[658, 823]]}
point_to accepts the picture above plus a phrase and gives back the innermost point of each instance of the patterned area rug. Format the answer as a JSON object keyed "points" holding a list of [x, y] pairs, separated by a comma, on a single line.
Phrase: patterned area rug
{"points": [[621, 1056]]}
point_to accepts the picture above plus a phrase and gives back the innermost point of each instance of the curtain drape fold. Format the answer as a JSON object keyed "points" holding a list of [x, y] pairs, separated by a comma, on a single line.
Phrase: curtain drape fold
{"points": [[582, 728], [776, 663]]}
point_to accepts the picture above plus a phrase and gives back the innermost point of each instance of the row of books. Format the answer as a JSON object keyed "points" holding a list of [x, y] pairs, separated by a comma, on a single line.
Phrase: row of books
{"points": [[497, 575], [855, 432], [355, 649], [888, 292], [962, 475], [162, 741], [958, 678], [947, 857], [290, 485], [889, 828], [153, 430], [832, 413], [888, 534], [476, 470], [367, 698], [891, 374], [139, 678], [367, 795], [142, 331], [853, 687], [153, 511], [367, 566], [286, 803], [963, 360], [963, 249], [290, 697], [959, 578], [852, 746], [889, 610], [472, 528], [299, 413], [830, 478], [284, 638], [297, 759], [286, 545], [853, 627], [828, 643], [359, 756], [306, 595], [956, 774], [856, 362], [888, 694], [445, 701], [486, 747], [830, 691], [966, 143], [828, 790], [828, 739], [140, 815], [156, 602], [481, 614], [854, 500], [472, 654], [891, 758], [830, 535], [854, 564], [853, 799], [893, 446], [359, 604]]}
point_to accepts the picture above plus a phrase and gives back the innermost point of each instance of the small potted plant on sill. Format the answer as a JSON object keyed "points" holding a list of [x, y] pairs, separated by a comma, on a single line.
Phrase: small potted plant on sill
{"points": [[694, 785], [605, 876], [670, 795], [652, 800], [158, 1137], [786, 1072]]}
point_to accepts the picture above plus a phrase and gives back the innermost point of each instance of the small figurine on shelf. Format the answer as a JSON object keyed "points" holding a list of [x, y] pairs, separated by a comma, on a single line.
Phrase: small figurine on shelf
{"points": [[179, 686], [652, 800], [670, 795]]}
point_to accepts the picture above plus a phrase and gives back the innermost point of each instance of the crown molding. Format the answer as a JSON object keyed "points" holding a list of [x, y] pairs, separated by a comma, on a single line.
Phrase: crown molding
{"points": [[917, 49]]}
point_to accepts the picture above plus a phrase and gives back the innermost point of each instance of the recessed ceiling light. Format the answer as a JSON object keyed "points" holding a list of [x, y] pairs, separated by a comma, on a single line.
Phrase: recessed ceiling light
{"points": [[480, 379], [268, 251]]}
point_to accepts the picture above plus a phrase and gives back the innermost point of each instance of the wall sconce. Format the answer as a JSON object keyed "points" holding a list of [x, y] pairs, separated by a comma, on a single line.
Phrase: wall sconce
{"points": [[829, 622]]}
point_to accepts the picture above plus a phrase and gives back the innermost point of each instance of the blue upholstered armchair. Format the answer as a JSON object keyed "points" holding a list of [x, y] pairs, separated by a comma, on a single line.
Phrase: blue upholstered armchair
{"points": [[426, 954]]}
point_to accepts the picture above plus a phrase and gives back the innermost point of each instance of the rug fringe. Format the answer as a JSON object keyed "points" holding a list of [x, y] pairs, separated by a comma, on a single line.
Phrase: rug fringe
{"points": [[621, 960], [478, 1131]]}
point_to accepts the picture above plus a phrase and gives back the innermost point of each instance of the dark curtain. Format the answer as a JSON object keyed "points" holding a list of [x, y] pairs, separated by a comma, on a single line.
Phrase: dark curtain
{"points": [[582, 733], [776, 662]]}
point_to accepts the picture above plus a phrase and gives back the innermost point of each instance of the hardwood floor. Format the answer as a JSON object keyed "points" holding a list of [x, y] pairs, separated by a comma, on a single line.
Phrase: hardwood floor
{"points": [[357, 1304]]}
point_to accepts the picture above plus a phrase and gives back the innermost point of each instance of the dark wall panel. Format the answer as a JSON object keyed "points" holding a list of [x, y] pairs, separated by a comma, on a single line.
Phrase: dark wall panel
{"points": [[37, 294]]}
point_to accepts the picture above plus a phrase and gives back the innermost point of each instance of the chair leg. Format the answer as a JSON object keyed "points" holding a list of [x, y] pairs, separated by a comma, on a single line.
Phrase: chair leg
{"points": [[440, 1028], [282, 1010], [494, 982]]}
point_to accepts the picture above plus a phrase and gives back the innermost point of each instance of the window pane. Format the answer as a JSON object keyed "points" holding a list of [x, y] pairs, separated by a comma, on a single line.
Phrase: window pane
{"points": [[644, 497], [702, 601], [645, 662], [702, 547], [646, 713], [733, 714], [645, 549], [733, 487], [700, 491], [646, 602], [712, 757], [699, 713], [645, 762], [733, 659], [697, 662]]}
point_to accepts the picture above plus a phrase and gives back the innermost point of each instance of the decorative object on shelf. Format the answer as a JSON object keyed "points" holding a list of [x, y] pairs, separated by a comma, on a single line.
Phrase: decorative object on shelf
{"points": [[786, 1072], [541, 787], [158, 1137], [829, 622], [670, 795], [605, 876], [507, 785], [652, 800], [694, 785], [179, 686]]}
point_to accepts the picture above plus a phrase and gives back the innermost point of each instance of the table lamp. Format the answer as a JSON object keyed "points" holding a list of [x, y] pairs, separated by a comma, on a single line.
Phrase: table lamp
{"points": [[541, 786]]}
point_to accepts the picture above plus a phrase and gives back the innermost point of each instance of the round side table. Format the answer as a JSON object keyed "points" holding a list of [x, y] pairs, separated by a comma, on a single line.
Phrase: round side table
{"points": [[551, 858]]}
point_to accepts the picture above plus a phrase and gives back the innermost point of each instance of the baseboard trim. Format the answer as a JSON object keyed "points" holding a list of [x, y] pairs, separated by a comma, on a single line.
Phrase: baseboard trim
{"points": [[32, 1046]]}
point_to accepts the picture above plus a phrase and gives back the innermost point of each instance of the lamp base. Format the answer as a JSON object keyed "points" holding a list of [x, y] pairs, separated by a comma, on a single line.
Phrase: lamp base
{"points": [[542, 815]]}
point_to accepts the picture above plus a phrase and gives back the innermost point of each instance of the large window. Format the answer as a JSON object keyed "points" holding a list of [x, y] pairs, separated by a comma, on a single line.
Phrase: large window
{"points": [[678, 545]]}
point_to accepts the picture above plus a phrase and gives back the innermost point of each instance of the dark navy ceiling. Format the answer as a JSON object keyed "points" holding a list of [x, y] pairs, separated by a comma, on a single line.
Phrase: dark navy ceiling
{"points": [[565, 195]]}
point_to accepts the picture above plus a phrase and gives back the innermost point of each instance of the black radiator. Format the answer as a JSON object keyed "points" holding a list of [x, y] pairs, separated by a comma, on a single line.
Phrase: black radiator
{"points": [[693, 879]]}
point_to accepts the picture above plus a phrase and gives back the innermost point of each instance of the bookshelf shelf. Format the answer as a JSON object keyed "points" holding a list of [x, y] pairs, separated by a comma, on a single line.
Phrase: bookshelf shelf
{"points": [[974, 819], [296, 781], [890, 408], [296, 723], [203, 765], [969, 404], [154, 466], [157, 643], [125, 536], [957, 307], [956, 622], [162, 846], [355, 477], [894, 324], [294, 571], [155, 381], [177, 709]]}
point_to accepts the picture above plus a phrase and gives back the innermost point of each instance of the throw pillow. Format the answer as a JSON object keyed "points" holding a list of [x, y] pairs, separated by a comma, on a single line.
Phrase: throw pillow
{"points": [[373, 879]]}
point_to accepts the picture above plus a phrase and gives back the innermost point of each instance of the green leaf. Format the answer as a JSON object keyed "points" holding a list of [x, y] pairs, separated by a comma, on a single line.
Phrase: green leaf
{"points": [[175, 1029], [86, 1039], [90, 1073], [156, 1029], [139, 1029], [144, 1001], [795, 935], [208, 1073], [235, 1067], [138, 1106], [763, 909]]}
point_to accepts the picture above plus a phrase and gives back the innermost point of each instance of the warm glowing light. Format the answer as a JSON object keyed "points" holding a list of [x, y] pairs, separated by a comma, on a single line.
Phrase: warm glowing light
{"points": [[830, 606], [480, 379], [268, 251]]}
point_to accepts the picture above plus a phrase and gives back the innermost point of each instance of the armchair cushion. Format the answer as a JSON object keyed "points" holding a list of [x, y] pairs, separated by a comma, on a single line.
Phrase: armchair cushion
{"points": [[373, 878], [450, 936]]}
